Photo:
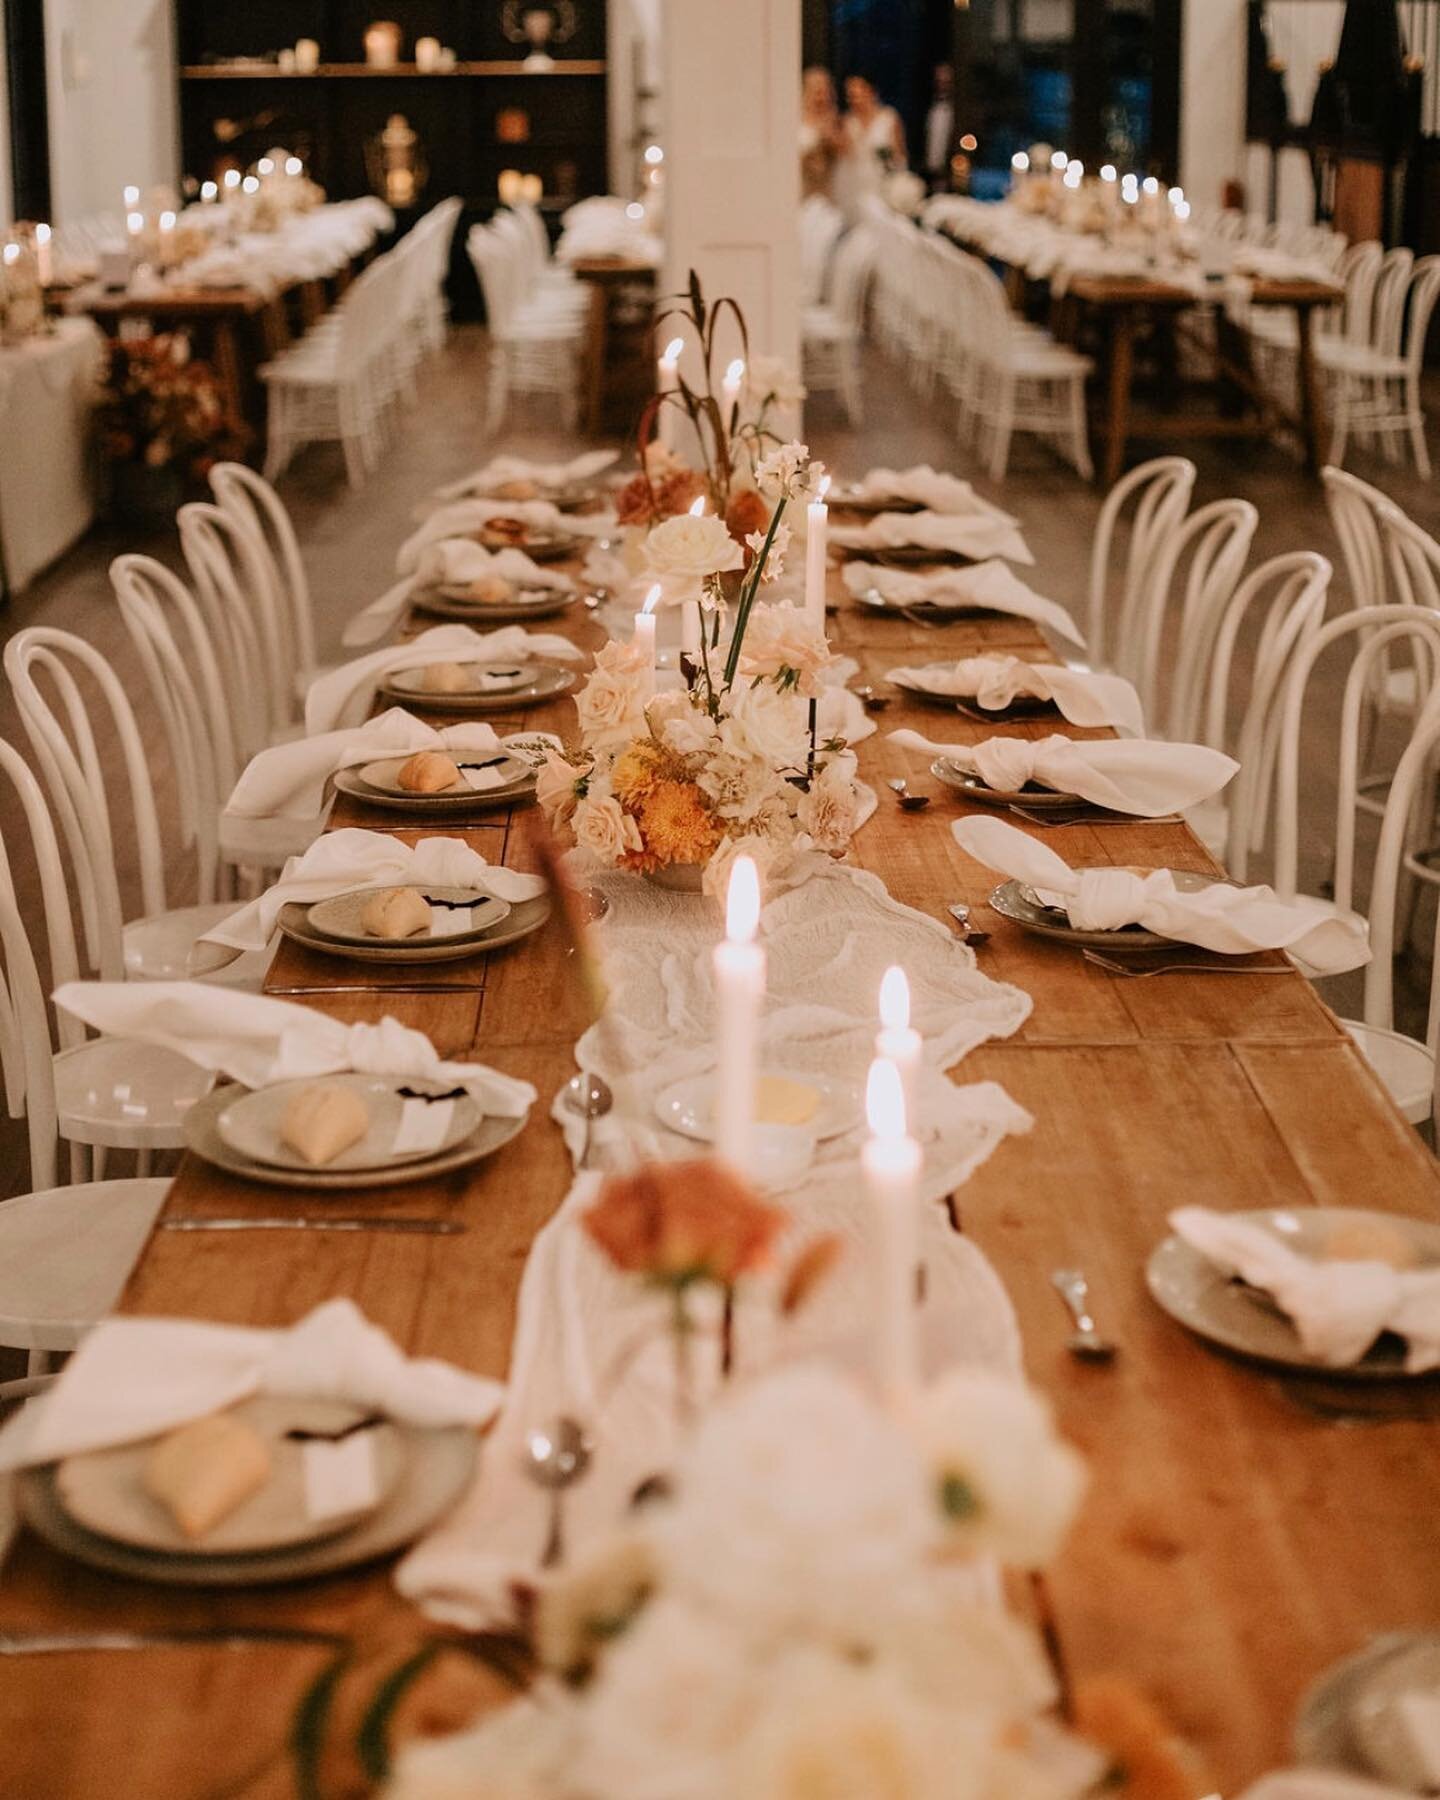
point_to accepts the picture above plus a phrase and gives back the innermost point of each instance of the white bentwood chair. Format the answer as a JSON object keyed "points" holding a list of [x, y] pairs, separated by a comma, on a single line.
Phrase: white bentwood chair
{"points": [[833, 330], [1160, 492]]}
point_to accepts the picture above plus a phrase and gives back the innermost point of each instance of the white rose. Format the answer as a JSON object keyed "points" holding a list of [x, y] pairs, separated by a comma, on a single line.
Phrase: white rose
{"points": [[680, 725], [762, 851], [611, 704], [1006, 1484], [829, 809], [784, 637], [764, 722], [690, 547], [602, 826], [555, 788]]}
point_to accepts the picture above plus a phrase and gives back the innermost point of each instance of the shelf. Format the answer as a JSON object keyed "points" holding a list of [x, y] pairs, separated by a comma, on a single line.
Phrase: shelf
{"points": [[400, 71]]}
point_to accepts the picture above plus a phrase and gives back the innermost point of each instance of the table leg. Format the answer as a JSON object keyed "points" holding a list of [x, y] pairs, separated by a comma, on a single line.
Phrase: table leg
{"points": [[595, 358], [225, 357], [1122, 375], [1312, 395]]}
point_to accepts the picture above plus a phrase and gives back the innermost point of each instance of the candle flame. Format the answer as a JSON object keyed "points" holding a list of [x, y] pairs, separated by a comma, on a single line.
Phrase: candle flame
{"points": [[697, 509], [1108, 172], [1020, 162], [12, 253], [132, 198], [135, 222], [673, 351], [735, 374], [42, 234], [824, 488], [167, 221], [1059, 160], [895, 1000], [885, 1100], [742, 902], [652, 599]]}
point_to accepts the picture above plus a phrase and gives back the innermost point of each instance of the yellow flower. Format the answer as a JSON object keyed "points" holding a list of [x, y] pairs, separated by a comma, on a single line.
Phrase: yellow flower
{"points": [[635, 773], [676, 824]]}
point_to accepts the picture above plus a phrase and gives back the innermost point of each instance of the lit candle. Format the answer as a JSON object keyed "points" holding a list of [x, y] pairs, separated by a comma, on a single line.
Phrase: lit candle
{"points": [[817, 529], [645, 629], [265, 166], [132, 198], [690, 611], [250, 185], [209, 193], [891, 1162], [135, 223], [1020, 163], [307, 55], [427, 54], [897, 1041], [294, 166], [739, 994], [44, 266], [730, 388], [232, 179], [1107, 173], [667, 379]]}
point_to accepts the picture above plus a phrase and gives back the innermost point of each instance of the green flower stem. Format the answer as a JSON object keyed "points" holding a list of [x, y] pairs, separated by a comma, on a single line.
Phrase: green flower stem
{"points": [[748, 593]]}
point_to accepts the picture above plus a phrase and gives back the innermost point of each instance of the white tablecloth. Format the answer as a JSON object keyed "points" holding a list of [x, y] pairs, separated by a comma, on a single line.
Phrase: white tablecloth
{"points": [[47, 479]]}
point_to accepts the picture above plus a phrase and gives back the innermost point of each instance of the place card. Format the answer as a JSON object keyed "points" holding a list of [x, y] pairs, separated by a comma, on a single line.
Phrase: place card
{"points": [[339, 1477], [450, 921], [483, 780], [423, 1125]]}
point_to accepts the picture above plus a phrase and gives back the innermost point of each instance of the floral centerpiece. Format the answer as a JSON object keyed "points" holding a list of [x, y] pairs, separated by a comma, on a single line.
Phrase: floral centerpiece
{"points": [[162, 420]]}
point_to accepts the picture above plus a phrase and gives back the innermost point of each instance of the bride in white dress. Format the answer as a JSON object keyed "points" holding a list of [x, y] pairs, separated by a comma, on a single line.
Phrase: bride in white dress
{"points": [[874, 135]]}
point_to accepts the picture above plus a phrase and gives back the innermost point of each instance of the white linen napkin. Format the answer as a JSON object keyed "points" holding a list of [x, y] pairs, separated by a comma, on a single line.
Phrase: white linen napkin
{"points": [[938, 492], [966, 534], [342, 860], [502, 469], [259, 1040], [1128, 775], [990, 586], [342, 696], [1338, 1308], [132, 1379], [1232, 921], [461, 517], [995, 682], [449, 561], [288, 780]]}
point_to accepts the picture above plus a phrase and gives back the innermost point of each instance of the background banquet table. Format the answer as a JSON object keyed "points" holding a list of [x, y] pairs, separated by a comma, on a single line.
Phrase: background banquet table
{"points": [[47, 464], [1234, 1542]]}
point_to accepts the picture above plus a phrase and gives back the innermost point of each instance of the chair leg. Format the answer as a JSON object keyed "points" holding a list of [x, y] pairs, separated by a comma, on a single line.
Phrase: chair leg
{"points": [[497, 400], [1416, 419], [1003, 428], [1079, 432], [1341, 435]]}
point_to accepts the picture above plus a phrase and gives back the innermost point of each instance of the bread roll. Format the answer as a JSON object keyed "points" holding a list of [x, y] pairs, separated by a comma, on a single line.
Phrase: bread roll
{"points": [[522, 488], [324, 1120], [446, 678], [490, 590], [396, 913], [427, 772], [505, 530], [1369, 1240], [779, 1101], [206, 1469]]}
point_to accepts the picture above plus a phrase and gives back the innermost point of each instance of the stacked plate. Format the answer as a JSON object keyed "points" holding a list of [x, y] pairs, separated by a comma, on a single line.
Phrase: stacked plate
{"points": [[1045, 914], [464, 922], [504, 780], [491, 689], [457, 602], [1032, 795], [95, 1508], [1026, 706], [418, 1129], [538, 544]]}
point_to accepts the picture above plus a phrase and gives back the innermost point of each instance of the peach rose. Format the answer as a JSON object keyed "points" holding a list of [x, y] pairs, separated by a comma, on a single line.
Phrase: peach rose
{"points": [[555, 788], [678, 1223], [611, 704], [603, 827]]}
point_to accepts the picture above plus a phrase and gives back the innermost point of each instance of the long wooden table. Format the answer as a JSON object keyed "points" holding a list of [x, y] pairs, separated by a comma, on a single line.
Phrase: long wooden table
{"points": [[1233, 1543]]}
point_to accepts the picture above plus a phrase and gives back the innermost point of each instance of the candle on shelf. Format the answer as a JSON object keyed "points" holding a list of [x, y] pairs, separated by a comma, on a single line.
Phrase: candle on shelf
{"points": [[532, 189], [645, 629], [891, 1161], [509, 186], [427, 54], [44, 256], [897, 1041], [817, 543], [307, 56], [382, 44], [739, 994], [730, 387]]}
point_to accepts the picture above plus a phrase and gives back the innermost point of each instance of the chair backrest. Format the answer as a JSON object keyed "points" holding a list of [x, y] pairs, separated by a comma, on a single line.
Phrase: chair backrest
{"points": [[1161, 493], [854, 266], [234, 583], [1360, 270], [821, 223], [1387, 316], [1424, 291], [1409, 787], [1355, 508], [63, 737], [1368, 635], [491, 260], [1414, 557], [250, 500]]}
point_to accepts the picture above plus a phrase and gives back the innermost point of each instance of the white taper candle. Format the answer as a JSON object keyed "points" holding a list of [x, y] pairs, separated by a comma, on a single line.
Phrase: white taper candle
{"points": [[739, 994], [891, 1162]]}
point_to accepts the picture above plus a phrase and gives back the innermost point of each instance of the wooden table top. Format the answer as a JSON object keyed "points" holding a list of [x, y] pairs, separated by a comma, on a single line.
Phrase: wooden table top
{"points": [[1125, 290], [1233, 1544], [170, 302]]}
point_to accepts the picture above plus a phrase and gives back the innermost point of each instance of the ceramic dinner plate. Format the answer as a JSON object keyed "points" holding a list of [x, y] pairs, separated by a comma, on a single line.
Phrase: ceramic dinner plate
{"points": [[1240, 1318], [1027, 707], [1036, 798], [525, 917], [250, 1125], [688, 1106], [376, 784], [534, 684], [874, 601], [866, 506], [436, 1467], [539, 546], [1018, 902], [529, 603], [907, 556], [202, 1135], [104, 1490], [1377, 1720], [339, 917]]}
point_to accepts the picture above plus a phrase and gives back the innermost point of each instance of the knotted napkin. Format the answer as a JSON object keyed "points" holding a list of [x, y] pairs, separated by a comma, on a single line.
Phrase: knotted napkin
{"points": [[989, 587], [133, 1379], [501, 470], [447, 562], [1127, 775], [259, 1041], [964, 534], [343, 860], [1232, 921], [995, 682], [1338, 1308], [459, 518], [342, 696], [938, 492]]}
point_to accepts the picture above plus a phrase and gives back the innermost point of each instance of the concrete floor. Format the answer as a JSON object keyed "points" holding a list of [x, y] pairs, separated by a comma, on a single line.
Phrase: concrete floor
{"points": [[350, 539]]}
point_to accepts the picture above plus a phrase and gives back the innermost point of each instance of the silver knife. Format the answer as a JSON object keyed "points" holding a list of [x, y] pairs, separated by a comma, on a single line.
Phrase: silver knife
{"points": [[436, 1227], [50, 1643]]}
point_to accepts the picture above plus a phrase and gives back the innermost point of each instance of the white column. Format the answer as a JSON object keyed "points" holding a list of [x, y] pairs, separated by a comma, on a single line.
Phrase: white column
{"points": [[731, 97], [1212, 98]]}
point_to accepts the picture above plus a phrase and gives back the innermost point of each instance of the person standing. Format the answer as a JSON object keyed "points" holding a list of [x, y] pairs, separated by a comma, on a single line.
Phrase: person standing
{"points": [[822, 136], [940, 128], [874, 135]]}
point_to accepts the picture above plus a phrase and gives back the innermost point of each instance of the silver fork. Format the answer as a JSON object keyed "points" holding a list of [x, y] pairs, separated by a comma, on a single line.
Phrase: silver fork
{"points": [[1085, 1342], [1142, 972], [1087, 816]]}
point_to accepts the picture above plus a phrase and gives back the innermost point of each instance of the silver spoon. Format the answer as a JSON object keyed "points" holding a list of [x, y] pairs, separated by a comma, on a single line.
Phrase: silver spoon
{"points": [[1086, 1342], [870, 700], [909, 802], [589, 1098], [960, 913], [555, 1459]]}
